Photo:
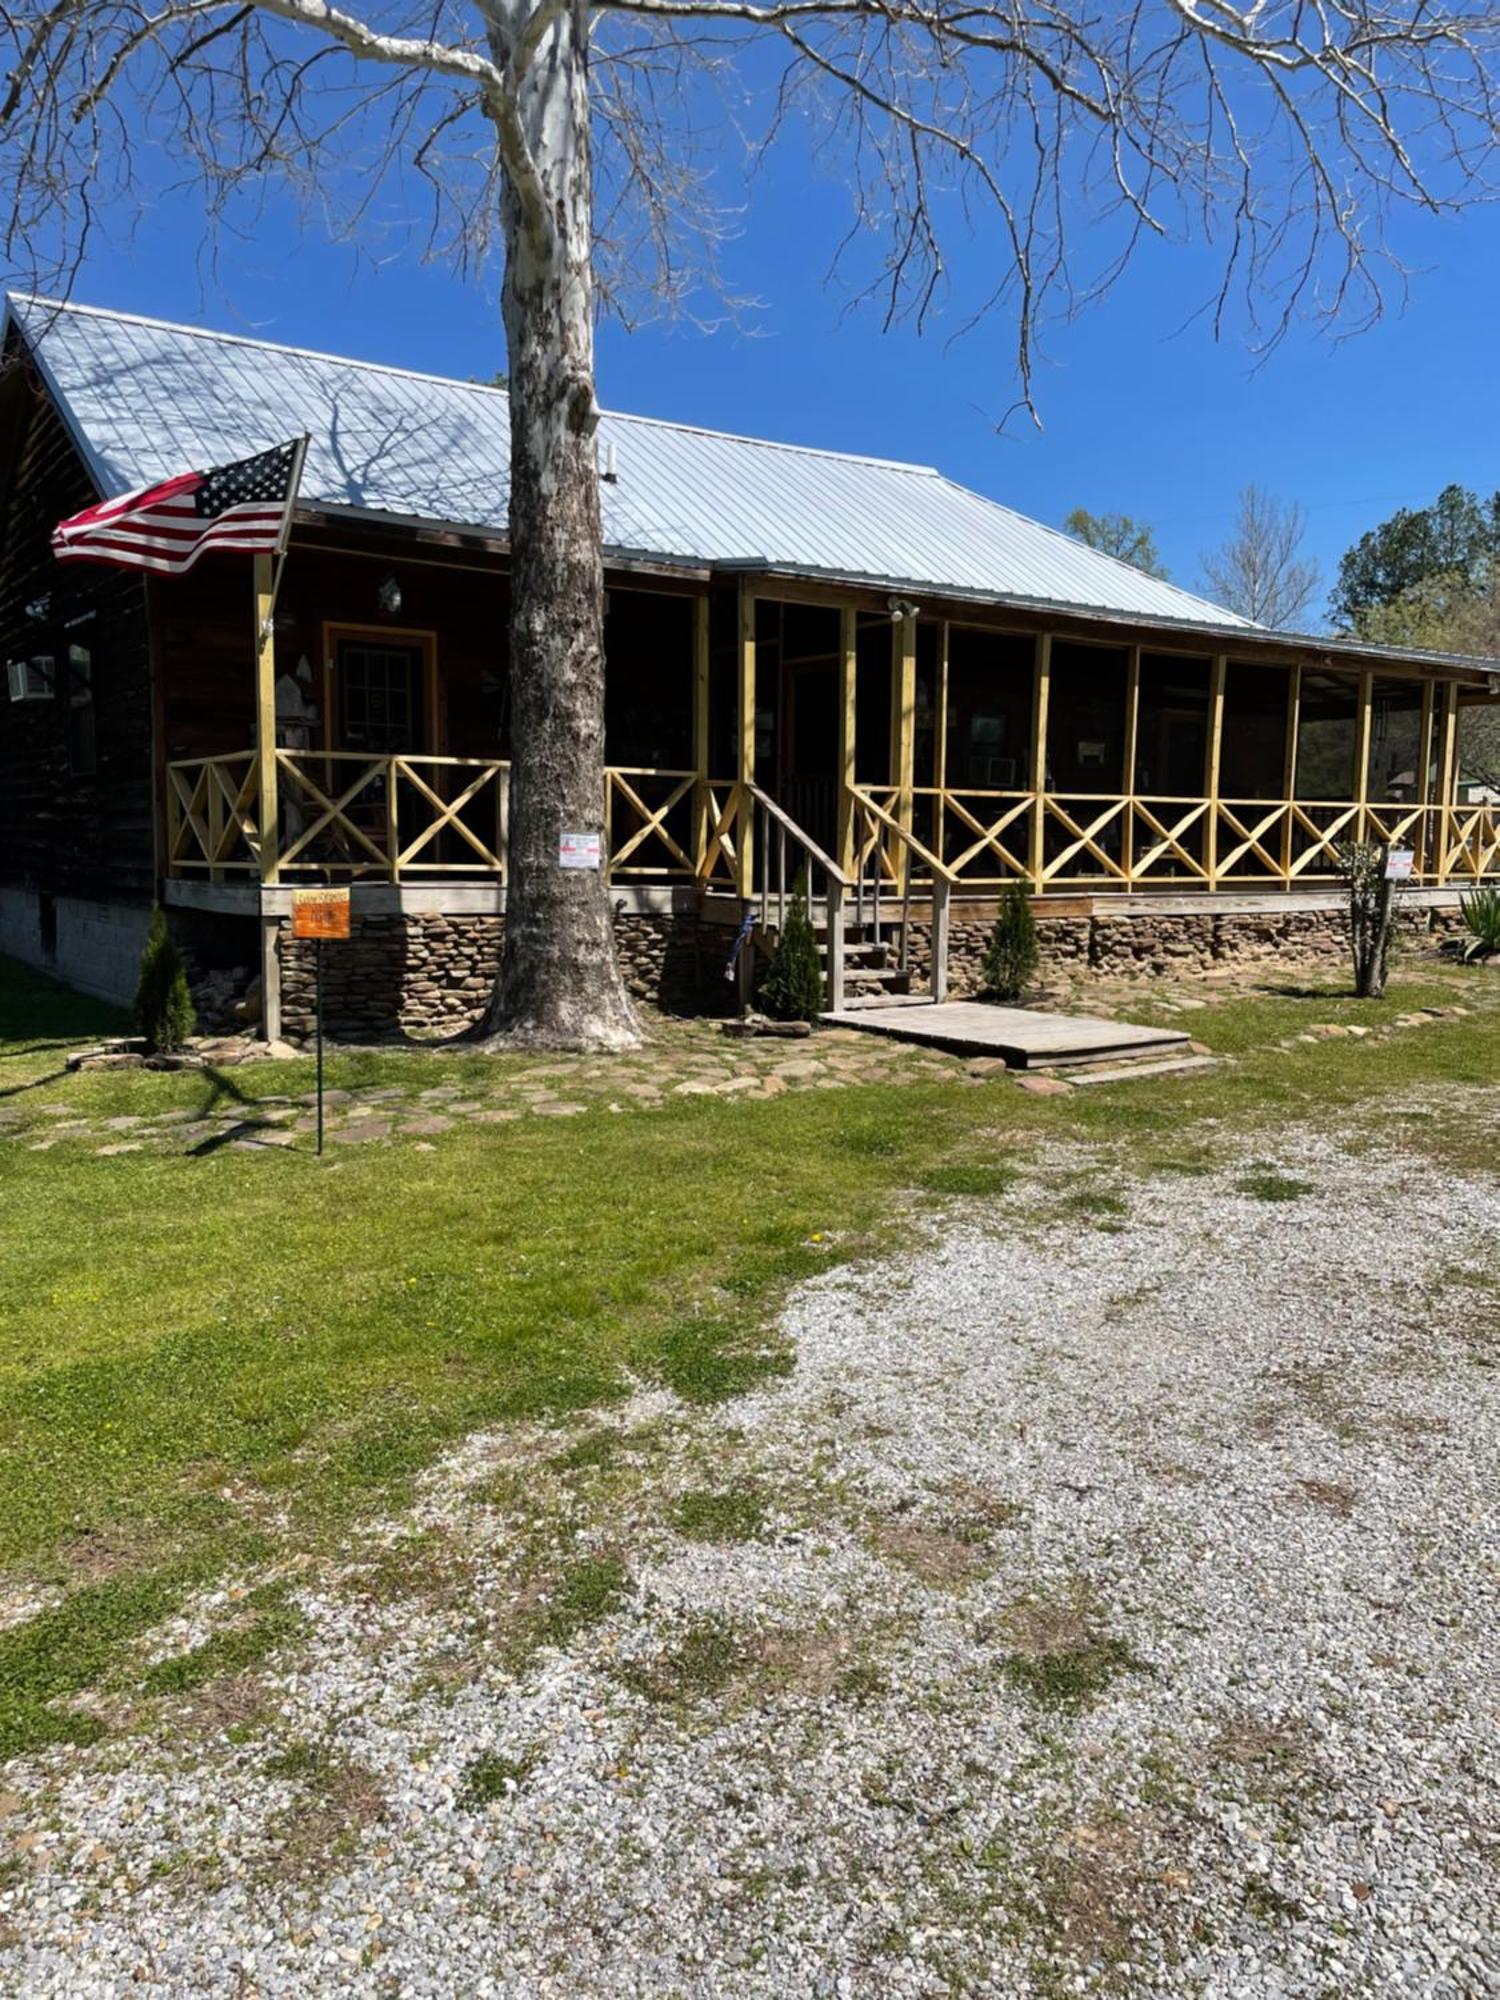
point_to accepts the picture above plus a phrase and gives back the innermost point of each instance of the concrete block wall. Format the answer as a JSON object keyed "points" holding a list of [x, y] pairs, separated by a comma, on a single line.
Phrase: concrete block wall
{"points": [[93, 946]]}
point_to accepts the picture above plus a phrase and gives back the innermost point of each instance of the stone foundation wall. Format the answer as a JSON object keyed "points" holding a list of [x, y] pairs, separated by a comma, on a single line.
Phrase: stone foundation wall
{"points": [[431, 975], [1155, 943]]}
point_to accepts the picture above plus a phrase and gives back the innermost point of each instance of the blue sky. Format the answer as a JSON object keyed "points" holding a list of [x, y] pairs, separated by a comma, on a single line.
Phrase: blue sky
{"points": [[1138, 415]]}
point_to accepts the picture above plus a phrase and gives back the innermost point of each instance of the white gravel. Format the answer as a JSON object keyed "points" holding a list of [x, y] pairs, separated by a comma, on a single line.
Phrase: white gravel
{"points": [[1244, 1450]]}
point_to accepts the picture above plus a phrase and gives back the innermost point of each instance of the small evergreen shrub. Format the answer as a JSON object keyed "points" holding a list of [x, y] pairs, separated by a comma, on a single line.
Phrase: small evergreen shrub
{"points": [[1010, 957], [1481, 912], [793, 986], [163, 1006]]}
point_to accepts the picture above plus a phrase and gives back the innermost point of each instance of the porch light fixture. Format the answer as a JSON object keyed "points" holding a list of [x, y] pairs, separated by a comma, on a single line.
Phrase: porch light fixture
{"points": [[901, 607], [388, 597]]}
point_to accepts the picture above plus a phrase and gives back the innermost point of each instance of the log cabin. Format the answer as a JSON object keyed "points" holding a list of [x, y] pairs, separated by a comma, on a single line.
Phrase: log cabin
{"points": [[820, 667]]}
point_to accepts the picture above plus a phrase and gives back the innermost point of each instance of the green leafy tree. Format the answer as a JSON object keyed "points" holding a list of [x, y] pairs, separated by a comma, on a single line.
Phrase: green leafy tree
{"points": [[1010, 957], [792, 989], [1119, 535], [1455, 541], [163, 1005]]}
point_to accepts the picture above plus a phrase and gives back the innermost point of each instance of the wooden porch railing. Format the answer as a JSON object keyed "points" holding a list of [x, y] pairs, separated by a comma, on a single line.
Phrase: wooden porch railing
{"points": [[413, 817], [1064, 841]]}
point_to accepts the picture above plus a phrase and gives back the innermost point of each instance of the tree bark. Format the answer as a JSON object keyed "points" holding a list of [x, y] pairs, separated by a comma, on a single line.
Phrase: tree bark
{"points": [[559, 985], [1371, 912]]}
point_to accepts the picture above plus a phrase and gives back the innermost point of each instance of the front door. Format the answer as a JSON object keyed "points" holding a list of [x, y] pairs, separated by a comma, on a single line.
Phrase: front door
{"points": [[808, 780], [380, 693]]}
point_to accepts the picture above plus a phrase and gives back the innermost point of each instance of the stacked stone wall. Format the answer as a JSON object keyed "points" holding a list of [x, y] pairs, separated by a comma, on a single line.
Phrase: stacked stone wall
{"points": [[427, 975], [424, 975]]}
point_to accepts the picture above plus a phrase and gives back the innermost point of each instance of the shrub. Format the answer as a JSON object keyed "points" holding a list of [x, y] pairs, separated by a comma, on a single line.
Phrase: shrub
{"points": [[1010, 957], [163, 1006], [1481, 912], [793, 986], [1371, 914]]}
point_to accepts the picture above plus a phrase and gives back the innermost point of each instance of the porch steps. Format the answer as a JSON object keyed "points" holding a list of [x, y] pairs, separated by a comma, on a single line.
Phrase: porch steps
{"points": [[1026, 1039], [1141, 1067]]}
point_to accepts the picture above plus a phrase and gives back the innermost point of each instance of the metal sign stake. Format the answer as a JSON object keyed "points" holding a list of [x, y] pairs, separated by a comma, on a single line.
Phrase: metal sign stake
{"points": [[318, 1012]]}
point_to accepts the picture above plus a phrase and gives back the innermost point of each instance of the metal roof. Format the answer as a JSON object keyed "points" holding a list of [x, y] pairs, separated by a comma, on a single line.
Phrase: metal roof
{"points": [[146, 399]]}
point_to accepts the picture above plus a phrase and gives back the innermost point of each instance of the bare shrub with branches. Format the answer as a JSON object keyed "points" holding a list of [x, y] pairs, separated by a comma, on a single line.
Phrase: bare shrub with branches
{"points": [[589, 146]]}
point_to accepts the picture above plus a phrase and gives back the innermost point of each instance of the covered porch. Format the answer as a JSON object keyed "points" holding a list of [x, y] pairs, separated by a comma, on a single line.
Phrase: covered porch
{"points": [[903, 756]]}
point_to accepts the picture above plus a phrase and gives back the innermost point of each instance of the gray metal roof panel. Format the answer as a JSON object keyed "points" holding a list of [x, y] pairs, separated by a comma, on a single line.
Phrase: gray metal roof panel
{"points": [[148, 399]]}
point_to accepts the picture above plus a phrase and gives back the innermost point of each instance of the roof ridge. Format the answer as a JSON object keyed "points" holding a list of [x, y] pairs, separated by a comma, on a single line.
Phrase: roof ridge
{"points": [[254, 340], [461, 382]]}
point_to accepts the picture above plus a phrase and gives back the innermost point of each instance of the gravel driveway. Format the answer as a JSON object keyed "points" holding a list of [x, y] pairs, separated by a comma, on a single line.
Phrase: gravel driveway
{"points": [[1106, 1602]]}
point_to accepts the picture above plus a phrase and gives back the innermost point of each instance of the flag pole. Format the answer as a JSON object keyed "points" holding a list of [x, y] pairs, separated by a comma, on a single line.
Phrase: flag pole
{"points": [[293, 488]]}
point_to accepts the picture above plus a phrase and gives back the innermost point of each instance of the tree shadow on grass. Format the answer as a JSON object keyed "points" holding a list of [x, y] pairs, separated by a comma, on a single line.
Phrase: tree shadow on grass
{"points": [[1290, 992]]}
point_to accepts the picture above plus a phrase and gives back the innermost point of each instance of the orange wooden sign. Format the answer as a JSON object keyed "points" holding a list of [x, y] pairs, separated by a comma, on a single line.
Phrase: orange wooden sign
{"points": [[320, 913]]}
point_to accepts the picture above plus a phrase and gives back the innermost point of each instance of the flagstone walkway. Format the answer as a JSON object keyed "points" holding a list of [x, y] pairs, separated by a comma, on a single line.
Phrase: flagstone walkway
{"points": [[683, 1060]]}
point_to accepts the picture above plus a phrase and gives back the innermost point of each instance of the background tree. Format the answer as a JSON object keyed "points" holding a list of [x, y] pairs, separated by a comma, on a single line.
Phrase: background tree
{"points": [[1260, 572], [1428, 579], [1451, 546], [578, 137], [1118, 535]]}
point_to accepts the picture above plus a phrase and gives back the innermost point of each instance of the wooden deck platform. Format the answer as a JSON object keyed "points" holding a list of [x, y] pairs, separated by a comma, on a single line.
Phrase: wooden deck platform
{"points": [[1025, 1038]]}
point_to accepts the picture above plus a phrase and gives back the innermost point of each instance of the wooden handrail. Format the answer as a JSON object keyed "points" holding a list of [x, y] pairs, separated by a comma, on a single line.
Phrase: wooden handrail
{"points": [[804, 840]]}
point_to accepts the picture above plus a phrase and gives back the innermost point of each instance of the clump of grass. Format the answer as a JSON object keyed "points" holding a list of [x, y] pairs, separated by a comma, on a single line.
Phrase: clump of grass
{"points": [[1073, 1677], [1095, 1202], [860, 1683], [974, 1177], [709, 1654], [297, 1760], [229, 1652], [1264, 1900], [489, 1777], [592, 1451], [706, 1516], [587, 1591], [707, 1361], [1265, 1182]]}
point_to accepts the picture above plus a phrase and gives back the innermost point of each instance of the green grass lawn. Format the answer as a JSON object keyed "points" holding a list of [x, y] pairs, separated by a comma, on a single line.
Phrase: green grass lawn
{"points": [[207, 1359]]}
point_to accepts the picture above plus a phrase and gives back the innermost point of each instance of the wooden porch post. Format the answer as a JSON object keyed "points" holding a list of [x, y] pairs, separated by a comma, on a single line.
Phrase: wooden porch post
{"points": [[1289, 769], [1447, 776], [848, 671], [1211, 767], [1041, 690], [903, 728], [265, 719], [700, 732], [1127, 773], [745, 746], [1424, 781], [1362, 756]]}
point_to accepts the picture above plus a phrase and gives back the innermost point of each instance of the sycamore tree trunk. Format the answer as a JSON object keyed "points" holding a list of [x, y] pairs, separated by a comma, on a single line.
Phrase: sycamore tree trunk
{"points": [[559, 985]]}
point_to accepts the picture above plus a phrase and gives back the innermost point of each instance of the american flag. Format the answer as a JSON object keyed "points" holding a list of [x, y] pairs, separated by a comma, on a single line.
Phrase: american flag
{"points": [[167, 527]]}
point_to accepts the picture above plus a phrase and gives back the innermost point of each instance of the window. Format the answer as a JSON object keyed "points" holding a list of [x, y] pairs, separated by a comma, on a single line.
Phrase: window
{"points": [[82, 750]]}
